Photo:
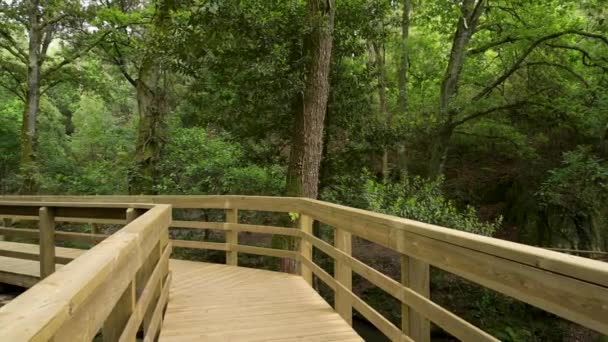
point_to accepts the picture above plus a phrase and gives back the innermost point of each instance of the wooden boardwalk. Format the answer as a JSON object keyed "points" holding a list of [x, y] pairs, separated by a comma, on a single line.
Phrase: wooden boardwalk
{"points": [[214, 302], [19, 262]]}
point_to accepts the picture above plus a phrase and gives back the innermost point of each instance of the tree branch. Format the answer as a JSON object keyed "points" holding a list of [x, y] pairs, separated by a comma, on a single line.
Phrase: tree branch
{"points": [[68, 60], [51, 85], [13, 91], [490, 45], [119, 60], [490, 111], [487, 90], [563, 67], [15, 51]]}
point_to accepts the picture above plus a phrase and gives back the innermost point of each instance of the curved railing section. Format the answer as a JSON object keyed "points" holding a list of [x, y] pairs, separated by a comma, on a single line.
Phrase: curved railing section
{"points": [[568, 286], [117, 288]]}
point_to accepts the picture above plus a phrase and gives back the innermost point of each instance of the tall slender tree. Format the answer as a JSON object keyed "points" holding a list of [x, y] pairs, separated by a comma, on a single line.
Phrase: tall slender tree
{"points": [[307, 145], [32, 70]]}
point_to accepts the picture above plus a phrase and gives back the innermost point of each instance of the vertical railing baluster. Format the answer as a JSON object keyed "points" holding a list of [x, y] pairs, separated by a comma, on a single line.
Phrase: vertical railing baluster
{"points": [[415, 275], [232, 238], [305, 225], [118, 318], [344, 275], [46, 226]]}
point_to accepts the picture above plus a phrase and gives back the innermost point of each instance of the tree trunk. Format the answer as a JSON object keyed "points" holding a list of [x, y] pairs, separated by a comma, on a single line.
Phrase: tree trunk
{"points": [[307, 145], [152, 109], [32, 102], [404, 57], [467, 25], [310, 110], [403, 79], [380, 59]]}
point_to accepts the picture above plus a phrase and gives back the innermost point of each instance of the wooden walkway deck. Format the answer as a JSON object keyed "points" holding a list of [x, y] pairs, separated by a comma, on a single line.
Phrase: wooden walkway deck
{"points": [[214, 302]]}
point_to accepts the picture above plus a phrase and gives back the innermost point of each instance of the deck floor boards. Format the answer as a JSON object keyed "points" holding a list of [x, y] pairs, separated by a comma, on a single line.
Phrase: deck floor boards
{"points": [[213, 302]]}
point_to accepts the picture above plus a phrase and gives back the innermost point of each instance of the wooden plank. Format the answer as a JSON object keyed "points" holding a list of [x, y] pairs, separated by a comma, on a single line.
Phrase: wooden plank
{"points": [[358, 222], [258, 203], [440, 316], [32, 252], [252, 228], [216, 246], [198, 225], [145, 299], [305, 224], [85, 290], [279, 253], [59, 235], [415, 275], [238, 227], [47, 241], [157, 316], [119, 316], [384, 325], [534, 277], [232, 237], [343, 274], [244, 304]]}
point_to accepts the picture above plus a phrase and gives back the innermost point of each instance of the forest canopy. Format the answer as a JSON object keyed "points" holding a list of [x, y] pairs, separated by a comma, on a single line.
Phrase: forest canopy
{"points": [[488, 116], [494, 110]]}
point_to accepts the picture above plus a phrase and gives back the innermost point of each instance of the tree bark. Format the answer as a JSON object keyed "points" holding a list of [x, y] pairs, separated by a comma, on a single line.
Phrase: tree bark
{"points": [[152, 109], [310, 110], [32, 100], [307, 145]]}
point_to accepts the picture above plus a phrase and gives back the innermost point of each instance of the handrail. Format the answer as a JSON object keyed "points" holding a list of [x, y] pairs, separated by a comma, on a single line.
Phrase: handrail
{"points": [[571, 287], [110, 287]]}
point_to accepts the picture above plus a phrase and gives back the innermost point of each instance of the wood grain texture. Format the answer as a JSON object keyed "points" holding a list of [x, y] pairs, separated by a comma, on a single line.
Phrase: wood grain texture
{"points": [[214, 302]]}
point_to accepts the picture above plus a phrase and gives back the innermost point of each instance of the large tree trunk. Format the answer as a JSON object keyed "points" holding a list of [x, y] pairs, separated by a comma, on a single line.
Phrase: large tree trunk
{"points": [[310, 110], [32, 102], [152, 109], [467, 25], [307, 145]]}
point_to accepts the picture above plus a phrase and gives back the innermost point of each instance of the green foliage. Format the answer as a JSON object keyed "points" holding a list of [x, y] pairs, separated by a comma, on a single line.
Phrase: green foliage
{"points": [[10, 125], [423, 200], [196, 161], [574, 194]]}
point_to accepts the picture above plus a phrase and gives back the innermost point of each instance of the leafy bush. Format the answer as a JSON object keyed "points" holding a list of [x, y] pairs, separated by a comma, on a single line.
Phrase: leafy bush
{"points": [[574, 195], [415, 198], [197, 161]]}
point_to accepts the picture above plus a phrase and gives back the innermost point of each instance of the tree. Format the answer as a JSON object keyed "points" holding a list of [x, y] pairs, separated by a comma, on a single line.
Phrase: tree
{"points": [[43, 22], [137, 47], [307, 145]]}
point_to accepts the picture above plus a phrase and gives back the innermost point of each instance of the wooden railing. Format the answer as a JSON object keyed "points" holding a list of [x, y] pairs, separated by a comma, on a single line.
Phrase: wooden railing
{"points": [[571, 287], [118, 288]]}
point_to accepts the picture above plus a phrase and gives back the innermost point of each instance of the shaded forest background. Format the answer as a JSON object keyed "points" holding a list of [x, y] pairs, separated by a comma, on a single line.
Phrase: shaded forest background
{"points": [[487, 116]]}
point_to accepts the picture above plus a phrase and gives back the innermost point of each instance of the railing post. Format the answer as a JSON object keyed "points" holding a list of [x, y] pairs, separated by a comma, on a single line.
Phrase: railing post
{"points": [[343, 274], [415, 275], [305, 225], [118, 318], [46, 226], [232, 238]]}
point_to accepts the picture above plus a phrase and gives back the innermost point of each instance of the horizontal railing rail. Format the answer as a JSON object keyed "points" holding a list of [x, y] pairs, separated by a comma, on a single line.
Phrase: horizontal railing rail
{"points": [[571, 287], [118, 288]]}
